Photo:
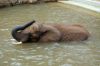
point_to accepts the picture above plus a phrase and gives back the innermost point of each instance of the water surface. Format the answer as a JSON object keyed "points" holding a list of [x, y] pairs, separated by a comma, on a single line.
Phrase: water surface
{"points": [[86, 53]]}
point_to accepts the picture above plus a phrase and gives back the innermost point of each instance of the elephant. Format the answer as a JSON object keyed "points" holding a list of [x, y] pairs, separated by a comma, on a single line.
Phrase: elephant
{"points": [[38, 32]]}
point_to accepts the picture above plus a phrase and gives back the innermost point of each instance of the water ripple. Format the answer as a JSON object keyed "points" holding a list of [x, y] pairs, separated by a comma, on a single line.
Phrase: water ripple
{"points": [[15, 64], [4, 29]]}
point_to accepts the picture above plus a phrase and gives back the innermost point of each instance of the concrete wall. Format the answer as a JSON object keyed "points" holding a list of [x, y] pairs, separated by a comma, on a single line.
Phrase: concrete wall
{"points": [[15, 2]]}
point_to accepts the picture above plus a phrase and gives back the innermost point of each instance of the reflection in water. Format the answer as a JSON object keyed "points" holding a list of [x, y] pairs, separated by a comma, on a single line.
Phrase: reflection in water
{"points": [[85, 53]]}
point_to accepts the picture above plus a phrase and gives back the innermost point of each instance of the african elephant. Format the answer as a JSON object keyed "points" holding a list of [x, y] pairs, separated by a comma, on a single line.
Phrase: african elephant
{"points": [[37, 32]]}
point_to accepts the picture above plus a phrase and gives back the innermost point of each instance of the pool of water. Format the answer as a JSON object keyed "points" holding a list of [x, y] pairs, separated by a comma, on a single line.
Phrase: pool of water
{"points": [[86, 53]]}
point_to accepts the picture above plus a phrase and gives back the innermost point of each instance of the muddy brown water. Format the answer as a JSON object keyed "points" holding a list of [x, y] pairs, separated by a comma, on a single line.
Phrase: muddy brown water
{"points": [[85, 53]]}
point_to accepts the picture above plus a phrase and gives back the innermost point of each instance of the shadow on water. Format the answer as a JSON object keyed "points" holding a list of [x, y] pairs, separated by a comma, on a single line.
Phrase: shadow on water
{"points": [[85, 53]]}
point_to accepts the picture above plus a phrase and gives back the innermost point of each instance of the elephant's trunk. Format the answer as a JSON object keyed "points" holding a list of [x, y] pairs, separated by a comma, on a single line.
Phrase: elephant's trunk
{"points": [[19, 28]]}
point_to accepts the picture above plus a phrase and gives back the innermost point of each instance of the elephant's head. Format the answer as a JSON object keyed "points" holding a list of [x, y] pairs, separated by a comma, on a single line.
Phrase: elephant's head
{"points": [[19, 35]]}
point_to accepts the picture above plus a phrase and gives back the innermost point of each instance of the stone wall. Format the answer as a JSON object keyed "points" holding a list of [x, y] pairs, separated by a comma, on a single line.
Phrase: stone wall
{"points": [[16, 2]]}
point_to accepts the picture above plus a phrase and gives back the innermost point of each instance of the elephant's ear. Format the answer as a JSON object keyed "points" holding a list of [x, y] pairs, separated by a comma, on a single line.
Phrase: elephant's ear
{"points": [[40, 35]]}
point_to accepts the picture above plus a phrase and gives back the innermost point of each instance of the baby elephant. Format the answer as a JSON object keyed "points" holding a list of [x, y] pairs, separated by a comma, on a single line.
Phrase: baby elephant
{"points": [[37, 32]]}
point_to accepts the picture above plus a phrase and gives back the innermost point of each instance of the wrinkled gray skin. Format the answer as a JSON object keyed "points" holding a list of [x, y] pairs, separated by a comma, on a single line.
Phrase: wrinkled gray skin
{"points": [[49, 33]]}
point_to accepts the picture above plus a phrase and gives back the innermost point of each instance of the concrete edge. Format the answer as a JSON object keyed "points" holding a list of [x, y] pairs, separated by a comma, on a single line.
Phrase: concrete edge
{"points": [[82, 5]]}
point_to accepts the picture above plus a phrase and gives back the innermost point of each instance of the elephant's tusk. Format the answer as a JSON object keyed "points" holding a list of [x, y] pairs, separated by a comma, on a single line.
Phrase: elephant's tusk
{"points": [[17, 43]]}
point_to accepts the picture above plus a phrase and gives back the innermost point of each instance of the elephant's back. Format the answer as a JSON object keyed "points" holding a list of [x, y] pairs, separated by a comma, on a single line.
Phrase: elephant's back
{"points": [[72, 32]]}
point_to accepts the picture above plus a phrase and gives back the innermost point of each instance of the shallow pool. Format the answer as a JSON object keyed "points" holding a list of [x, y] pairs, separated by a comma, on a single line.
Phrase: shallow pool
{"points": [[86, 53]]}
